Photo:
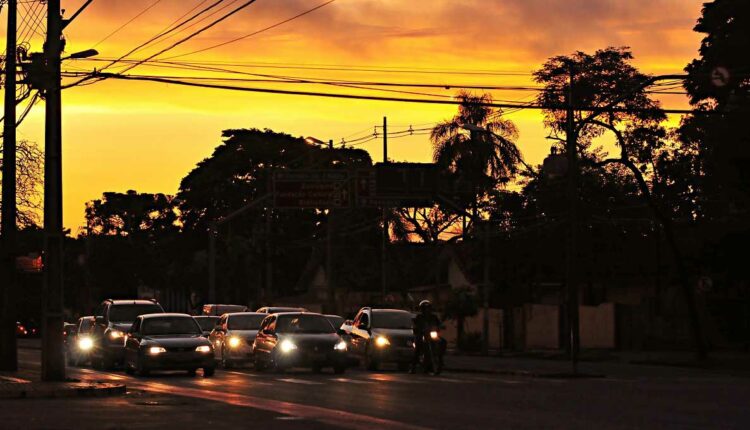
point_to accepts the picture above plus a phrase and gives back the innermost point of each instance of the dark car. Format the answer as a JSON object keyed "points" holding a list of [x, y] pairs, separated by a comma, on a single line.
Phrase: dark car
{"points": [[336, 321], [299, 339], [82, 343], [233, 337], [278, 309], [219, 310], [207, 323], [113, 321], [383, 336], [167, 342], [27, 328]]}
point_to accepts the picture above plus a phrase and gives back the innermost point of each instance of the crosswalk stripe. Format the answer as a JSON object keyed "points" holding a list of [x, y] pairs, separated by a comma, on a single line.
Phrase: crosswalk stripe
{"points": [[299, 381]]}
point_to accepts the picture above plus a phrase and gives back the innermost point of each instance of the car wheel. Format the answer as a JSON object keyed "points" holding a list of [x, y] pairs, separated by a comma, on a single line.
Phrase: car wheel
{"points": [[108, 363], [339, 369], [70, 359], [225, 362], [317, 369], [140, 368], [370, 362], [129, 369], [192, 372], [258, 363], [403, 367], [208, 372]]}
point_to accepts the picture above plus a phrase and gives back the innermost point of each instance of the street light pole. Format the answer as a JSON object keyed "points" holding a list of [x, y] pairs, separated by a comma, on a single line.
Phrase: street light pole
{"points": [[8, 353], [53, 361], [384, 239]]}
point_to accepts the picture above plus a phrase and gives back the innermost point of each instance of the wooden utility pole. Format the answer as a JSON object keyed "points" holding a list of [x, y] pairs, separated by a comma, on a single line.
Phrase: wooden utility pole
{"points": [[8, 353], [571, 262], [384, 241], [53, 360]]}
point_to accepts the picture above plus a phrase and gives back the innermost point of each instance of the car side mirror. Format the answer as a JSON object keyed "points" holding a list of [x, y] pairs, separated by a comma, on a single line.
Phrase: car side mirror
{"points": [[348, 322], [362, 326], [341, 332], [100, 319]]}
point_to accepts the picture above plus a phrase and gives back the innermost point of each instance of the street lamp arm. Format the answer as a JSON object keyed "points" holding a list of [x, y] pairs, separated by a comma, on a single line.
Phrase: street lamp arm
{"points": [[67, 22]]}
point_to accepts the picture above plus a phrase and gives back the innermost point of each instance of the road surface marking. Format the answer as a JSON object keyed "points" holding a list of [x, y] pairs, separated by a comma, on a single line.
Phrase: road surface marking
{"points": [[385, 378], [16, 380], [352, 381], [451, 380], [299, 381], [333, 417]]}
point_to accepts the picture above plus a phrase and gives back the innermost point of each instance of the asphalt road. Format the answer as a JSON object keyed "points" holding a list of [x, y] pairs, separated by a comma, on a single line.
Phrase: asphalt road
{"points": [[393, 400]]}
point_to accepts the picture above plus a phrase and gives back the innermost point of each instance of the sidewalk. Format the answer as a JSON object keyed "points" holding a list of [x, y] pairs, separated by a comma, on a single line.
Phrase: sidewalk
{"points": [[25, 385], [602, 364]]}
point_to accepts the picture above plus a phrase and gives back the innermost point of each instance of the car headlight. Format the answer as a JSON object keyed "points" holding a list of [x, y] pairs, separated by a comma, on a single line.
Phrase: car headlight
{"points": [[382, 341], [116, 334], [287, 346], [203, 348], [85, 343], [154, 350], [341, 346], [434, 335], [234, 342]]}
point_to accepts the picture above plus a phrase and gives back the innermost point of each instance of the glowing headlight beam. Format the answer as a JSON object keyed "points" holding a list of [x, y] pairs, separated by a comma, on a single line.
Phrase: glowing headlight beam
{"points": [[434, 335], [154, 350], [234, 342], [341, 346], [287, 346], [203, 348], [85, 343], [382, 341]]}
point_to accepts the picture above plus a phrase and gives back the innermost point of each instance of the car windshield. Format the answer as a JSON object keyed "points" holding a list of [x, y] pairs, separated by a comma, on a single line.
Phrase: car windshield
{"points": [[86, 325], [392, 320], [207, 324], [278, 310], [170, 325], [335, 321], [244, 322], [303, 324], [128, 313]]}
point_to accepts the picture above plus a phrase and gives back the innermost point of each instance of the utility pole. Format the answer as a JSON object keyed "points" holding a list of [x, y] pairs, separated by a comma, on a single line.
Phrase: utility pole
{"points": [[8, 352], [571, 263], [267, 293], [212, 233], [330, 292], [486, 289], [53, 361], [384, 241]]}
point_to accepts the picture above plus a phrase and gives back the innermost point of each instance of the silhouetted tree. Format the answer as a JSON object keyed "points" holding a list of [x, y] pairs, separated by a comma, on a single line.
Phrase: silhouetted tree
{"points": [[29, 183], [607, 79]]}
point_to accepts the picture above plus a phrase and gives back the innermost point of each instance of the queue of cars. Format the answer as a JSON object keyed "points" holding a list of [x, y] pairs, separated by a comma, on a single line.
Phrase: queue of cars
{"points": [[141, 337]]}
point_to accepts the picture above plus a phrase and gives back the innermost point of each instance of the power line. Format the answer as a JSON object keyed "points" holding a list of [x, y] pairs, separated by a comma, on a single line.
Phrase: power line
{"points": [[278, 24], [130, 21]]}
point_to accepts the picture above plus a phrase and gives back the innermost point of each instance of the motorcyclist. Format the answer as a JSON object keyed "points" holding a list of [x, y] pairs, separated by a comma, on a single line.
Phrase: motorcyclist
{"points": [[424, 322]]}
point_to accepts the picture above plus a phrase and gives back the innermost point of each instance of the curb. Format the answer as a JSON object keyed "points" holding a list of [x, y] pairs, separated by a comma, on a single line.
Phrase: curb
{"points": [[69, 390]]}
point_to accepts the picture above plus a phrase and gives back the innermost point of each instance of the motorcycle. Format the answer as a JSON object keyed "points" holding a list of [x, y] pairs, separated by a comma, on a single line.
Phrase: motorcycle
{"points": [[432, 352]]}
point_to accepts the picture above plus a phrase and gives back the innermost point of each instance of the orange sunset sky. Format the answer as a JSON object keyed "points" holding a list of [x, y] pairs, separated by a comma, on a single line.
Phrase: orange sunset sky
{"points": [[146, 136]]}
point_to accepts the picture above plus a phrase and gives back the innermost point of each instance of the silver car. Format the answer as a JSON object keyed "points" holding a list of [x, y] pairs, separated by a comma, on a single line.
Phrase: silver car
{"points": [[233, 337]]}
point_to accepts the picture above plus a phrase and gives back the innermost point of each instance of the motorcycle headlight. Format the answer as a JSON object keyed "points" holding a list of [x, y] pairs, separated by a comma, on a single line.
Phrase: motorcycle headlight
{"points": [[85, 343], [382, 341], [341, 346], [155, 350], [287, 346], [234, 342], [434, 335], [203, 348]]}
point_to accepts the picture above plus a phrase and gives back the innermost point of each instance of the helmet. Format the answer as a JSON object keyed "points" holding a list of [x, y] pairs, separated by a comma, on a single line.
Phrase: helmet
{"points": [[425, 305]]}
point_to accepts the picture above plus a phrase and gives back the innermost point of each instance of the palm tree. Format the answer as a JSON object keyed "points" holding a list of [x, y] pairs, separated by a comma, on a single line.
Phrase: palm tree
{"points": [[480, 161]]}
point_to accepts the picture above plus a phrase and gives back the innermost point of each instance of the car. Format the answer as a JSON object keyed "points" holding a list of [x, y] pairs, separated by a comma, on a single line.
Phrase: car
{"points": [[233, 337], [207, 323], [167, 341], [80, 346], [277, 309], [218, 310], [27, 328], [336, 321], [299, 339], [381, 336], [112, 321]]}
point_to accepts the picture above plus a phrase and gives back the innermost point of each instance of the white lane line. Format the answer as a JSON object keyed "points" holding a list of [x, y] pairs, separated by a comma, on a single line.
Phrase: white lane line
{"points": [[401, 381], [333, 417], [16, 380], [352, 381], [299, 381], [451, 380]]}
